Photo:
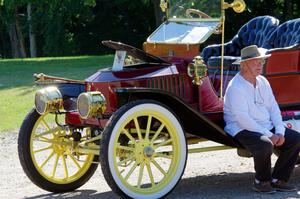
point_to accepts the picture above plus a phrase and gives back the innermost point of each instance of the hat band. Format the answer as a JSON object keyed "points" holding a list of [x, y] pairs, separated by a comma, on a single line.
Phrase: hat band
{"points": [[251, 56]]}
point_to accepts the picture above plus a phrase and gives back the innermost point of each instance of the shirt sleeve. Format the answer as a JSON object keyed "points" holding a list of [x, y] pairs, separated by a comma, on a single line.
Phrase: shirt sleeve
{"points": [[274, 111], [237, 99]]}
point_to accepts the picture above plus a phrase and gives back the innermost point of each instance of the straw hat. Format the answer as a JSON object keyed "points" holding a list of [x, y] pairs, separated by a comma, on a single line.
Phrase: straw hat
{"points": [[252, 52]]}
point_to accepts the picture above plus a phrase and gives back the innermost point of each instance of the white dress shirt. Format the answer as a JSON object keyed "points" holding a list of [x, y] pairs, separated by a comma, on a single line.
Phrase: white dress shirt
{"points": [[251, 108]]}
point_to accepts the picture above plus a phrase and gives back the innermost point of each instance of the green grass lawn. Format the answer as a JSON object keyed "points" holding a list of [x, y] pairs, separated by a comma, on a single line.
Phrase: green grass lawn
{"points": [[17, 86]]}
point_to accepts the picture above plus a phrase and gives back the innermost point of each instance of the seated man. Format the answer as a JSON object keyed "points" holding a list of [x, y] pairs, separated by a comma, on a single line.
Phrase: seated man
{"points": [[253, 117]]}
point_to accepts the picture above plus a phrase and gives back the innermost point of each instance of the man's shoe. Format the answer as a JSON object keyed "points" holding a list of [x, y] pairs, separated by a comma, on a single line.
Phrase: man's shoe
{"points": [[263, 187], [283, 186]]}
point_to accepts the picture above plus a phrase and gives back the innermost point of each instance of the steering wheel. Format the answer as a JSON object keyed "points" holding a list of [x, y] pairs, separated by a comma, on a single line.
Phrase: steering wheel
{"points": [[201, 14]]}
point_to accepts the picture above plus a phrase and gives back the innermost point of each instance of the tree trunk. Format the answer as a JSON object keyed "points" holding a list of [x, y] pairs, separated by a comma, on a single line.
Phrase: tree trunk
{"points": [[13, 40], [32, 41], [158, 13], [20, 36]]}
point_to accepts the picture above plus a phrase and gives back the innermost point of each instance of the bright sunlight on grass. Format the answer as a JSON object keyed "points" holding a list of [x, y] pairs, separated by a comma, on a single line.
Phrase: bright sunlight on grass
{"points": [[17, 86]]}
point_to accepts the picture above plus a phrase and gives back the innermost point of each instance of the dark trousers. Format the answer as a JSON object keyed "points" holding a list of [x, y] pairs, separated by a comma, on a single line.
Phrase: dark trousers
{"points": [[262, 149]]}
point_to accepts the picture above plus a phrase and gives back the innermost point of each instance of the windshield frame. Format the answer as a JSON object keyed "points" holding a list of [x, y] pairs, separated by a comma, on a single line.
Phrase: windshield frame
{"points": [[177, 8]]}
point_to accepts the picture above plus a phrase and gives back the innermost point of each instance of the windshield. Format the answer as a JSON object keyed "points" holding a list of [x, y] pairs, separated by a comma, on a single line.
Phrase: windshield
{"points": [[181, 8], [189, 32], [189, 22]]}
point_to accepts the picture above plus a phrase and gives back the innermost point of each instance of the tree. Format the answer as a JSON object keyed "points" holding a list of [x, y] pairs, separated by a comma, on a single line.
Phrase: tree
{"points": [[11, 18], [32, 40]]}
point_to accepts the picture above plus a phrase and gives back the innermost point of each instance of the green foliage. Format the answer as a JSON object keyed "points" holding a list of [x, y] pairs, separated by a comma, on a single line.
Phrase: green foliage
{"points": [[282, 9], [61, 18], [72, 27], [17, 83]]}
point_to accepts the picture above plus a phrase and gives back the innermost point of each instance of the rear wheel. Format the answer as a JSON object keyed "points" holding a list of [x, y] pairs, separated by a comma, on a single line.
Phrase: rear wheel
{"points": [[46, 155], [143, 150]]}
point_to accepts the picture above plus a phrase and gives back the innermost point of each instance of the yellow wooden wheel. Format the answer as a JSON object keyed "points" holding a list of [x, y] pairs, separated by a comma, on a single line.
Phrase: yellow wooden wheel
{"points": [[144, 150], [47, 156]]}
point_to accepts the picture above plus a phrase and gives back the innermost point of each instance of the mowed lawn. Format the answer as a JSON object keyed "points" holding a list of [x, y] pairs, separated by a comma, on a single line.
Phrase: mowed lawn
{"points": [[17, 87]]}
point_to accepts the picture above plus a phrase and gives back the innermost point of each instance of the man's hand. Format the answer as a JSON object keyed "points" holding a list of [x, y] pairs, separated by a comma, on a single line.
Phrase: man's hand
{"points": [[280, 140], [274, 139]]}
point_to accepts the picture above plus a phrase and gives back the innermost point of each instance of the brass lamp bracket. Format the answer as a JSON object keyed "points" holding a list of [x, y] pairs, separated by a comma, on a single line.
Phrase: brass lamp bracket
{"points": [[163, 5], [237, 5]]}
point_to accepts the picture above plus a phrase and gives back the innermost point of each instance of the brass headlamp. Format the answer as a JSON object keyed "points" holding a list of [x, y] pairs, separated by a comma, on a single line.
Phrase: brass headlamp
{"points": [[48, 99], [197, 70], [91, 104]]}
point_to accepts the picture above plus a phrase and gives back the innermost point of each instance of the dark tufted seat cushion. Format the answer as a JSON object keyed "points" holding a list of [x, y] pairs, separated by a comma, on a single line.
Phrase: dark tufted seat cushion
{"points": [[286, 35], [256, 31], [214, 63]]}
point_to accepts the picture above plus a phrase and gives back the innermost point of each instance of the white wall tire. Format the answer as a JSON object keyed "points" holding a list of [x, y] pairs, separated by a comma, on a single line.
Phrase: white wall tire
{"points": [[157, 150]]}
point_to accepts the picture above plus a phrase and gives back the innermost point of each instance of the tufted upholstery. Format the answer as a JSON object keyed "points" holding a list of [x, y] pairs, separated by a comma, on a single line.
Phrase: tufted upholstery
{"points": [[256, 31], [286, 35]]}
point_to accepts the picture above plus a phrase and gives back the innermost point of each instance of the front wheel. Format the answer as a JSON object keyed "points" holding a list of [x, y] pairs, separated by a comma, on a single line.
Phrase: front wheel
{"points": [[143, 150], [45, 153]]}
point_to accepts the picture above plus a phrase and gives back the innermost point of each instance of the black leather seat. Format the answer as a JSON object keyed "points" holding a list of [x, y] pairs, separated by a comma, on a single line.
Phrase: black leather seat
{"points": [[256, 31], [287, 35]]}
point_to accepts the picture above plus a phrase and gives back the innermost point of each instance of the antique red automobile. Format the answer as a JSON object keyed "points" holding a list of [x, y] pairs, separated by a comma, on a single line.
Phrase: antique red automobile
{"points": [[139, 118]]}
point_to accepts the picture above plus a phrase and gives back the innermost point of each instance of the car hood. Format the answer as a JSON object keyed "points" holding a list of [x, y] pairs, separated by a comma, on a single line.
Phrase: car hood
{"points": [[135, 52]]}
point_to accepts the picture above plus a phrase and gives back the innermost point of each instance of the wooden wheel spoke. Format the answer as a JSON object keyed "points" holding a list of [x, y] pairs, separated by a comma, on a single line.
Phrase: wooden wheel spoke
{"points": [[75, 162], [150, 173], [125, 148], [55, 165], [140, 178], [44, 139], [47, 159], [43, 149], [54, 141], [137, 126], [126, 160], [157, 132], [159, 167], [131, 171], [65, 166], [129, 136], [45, 124], [163, 143], [50, 131], [148, 127]]}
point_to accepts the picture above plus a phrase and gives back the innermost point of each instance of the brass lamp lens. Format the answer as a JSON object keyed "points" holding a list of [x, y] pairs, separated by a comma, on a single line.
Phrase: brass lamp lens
{"points": [[48, 99], [83, 105], [40, 103], [91, 104]]}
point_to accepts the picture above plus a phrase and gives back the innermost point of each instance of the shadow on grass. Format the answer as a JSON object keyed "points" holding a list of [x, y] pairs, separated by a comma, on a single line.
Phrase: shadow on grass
{"points": [[224, 185], [26, 90]]}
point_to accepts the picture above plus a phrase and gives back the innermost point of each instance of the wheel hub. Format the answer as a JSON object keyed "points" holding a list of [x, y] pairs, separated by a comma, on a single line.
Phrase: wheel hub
{"points": [[144, 151], [61, 149], [148, 151]]}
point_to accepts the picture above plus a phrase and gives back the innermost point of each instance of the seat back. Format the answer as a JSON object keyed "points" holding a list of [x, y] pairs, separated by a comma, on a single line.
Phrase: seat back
{"points": [[287, 34], [255, 32]]}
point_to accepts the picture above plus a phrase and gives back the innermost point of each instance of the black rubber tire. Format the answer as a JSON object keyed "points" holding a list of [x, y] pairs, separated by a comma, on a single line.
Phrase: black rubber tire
{"points": [[104, 155], [29, 168]]}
